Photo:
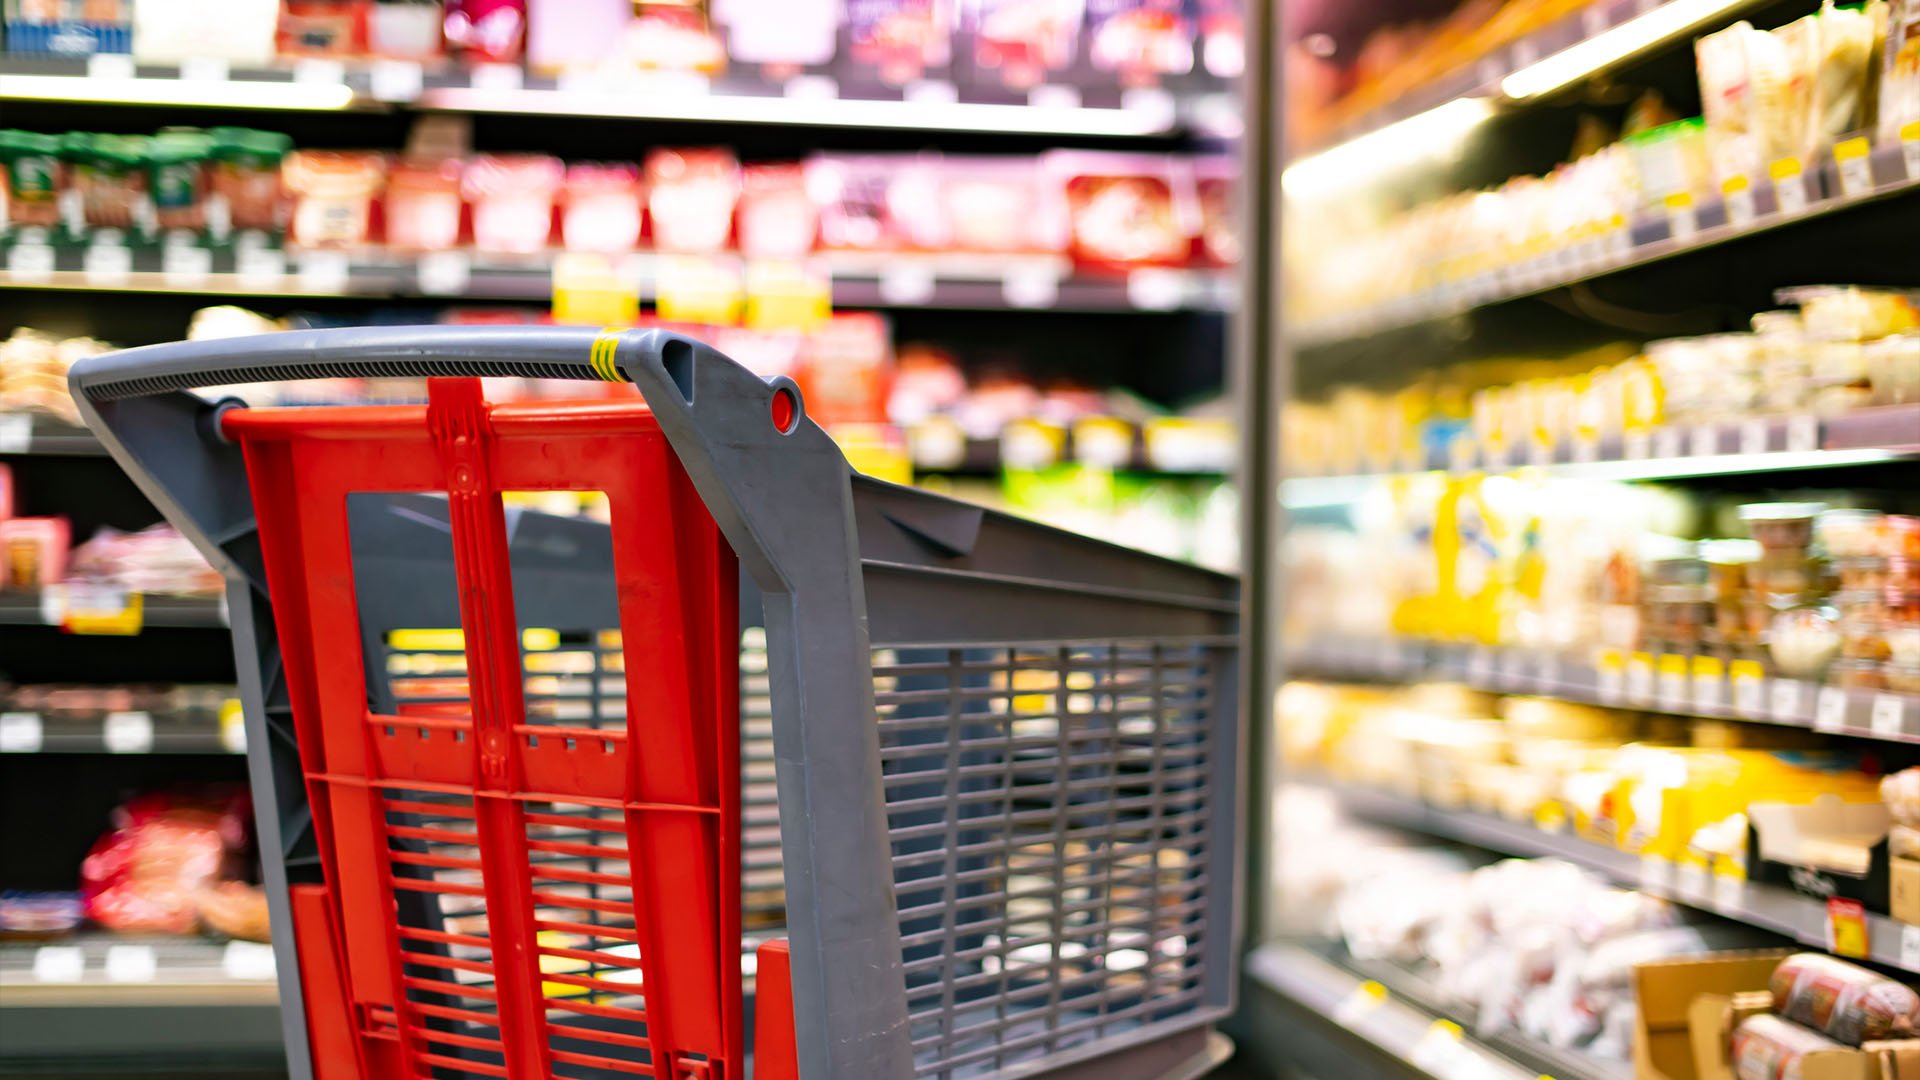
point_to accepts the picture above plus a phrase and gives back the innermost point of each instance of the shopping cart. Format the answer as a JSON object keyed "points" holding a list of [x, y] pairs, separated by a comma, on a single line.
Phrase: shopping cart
{"points": [[498, 755]]}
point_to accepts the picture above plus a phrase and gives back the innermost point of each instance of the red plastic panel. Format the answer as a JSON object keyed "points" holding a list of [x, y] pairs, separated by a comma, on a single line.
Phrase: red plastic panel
{"points": [[512, 900]]}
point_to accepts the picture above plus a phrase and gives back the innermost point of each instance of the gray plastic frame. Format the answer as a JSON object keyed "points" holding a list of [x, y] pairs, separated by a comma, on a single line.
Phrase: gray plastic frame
{"points": [[841, 562]]}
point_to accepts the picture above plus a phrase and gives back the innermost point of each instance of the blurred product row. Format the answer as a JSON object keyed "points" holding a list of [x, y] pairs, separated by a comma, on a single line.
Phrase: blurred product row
{"points": [[250, 189]]}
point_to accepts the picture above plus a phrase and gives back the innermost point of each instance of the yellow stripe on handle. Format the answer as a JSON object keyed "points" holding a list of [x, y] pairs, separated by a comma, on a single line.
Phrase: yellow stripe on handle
{"points": [[601, 357]]}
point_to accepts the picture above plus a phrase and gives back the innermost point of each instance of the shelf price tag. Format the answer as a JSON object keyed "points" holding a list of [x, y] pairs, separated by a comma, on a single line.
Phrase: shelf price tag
{"points": [[1690, 880], [1640, 678], [1910, 148], [1666, 442], [59, 964], [16, 432], [19, 733], [131, 964], [1729, 893], [1847, 928], [1656, 873], [1830, 709], [1705, 441], [1031, 286], [1854, 159], [1637, 445], [1481, 668], [1156, 289], [907, 283], [1789, 184], [205, 69], [1673, 682], [1609, 669], [185, 265], [500, 77], [1438, 1049], [1737, 193], [1889, 715], [1031, 444], [110, 66], [1682, 222], [1709, 683], [233, 727], [396, 80], [324, 272], [444, 273], [1749, 682], [693, 288], [1754, 436], [1103, 441], [259, 268], [1195, 444], [937, 443], [1365, 998], [1910, 947], [127, 732], [247, 961], [107, 264], [319, 71], [30, 260], [1785, 700]]}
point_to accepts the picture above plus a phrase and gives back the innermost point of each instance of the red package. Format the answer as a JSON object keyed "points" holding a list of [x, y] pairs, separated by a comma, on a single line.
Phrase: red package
{"points": [[1140, 40], [690, 198], [777, 219], [1124, 209], [1215, 186], [322, 28], [1023, 41], [164, 847], [845, 370]]}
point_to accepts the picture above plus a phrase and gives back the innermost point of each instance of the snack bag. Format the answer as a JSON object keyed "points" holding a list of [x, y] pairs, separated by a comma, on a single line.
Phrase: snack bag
{"points": [[164, 848]]}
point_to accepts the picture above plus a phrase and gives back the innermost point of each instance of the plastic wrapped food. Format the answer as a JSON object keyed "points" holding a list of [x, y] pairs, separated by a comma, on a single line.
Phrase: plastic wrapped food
{"points": [[1125, 220], [777, 219], [877, 203], [333, 195], [423, 206], [1140, 40], [1844, 62], [486, 30], [899, 40], [1853, 312], [1899, 103], [603, 208], [1803, 642], [1731, 80], [25, 914], [512, 197], [1022, 42], [109, 186], [990, 206], [176, 170], [164, 847], [30, 166], [247, 190], [690, 198], [1848, 1003], [233, 909], [1901, 792], [1766, 1047]]}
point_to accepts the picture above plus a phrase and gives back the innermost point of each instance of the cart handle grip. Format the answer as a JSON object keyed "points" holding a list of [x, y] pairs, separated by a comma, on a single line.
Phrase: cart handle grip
{"points": [[537, 352]]}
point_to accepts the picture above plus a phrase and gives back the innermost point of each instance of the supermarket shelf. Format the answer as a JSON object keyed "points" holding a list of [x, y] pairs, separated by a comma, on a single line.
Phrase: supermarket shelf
{"points": [[1662, 683], [1420, 1043], [804, 100], [1771, 908], [102, 997], [50, 608], [1763, 444], [1483, 76], [1894, 171], [962, 282], [128, 732], [30, 433]]}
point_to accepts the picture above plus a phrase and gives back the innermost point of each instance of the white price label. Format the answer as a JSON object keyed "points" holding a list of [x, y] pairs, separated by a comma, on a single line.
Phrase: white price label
{"points": [[1705, 441], [233, 727], [1708, 693], [1889, 715], [110, 66], [1439, 1050], [1610, 682], [1155, 289], [1150, 103], [502, 77], [1803, 433], [1830, 710], [1690, 880], [1673, 690], [259, 268], [1738, 198], [19, 733], [1910, 148], [1655, 872], [1549, 673], [936, 91], [1586, 449], [1031, 286], [1785, 699], [248, 961], [1791, 190], [1636, 445], [396, 80], [907, 284], [324, 272], [1749, 695], [812, 88], [1853, 157], [30, 261], [319, 71], [1682, 222], [127, 733], [1910, 947], [1365, 998], [1666, 442], [937, 443], [16, 432], [1640, 680], [59, 964], [204, 69], [1481, 667], [107, 264], [1028, 446], [185, 266], [1729, 893], [444, 273], [1753, 437], [1054, 96], [131, 964]]}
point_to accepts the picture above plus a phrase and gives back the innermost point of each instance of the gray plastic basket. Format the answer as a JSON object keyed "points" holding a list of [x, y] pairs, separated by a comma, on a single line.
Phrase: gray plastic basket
{"points": [[1021, 857]]}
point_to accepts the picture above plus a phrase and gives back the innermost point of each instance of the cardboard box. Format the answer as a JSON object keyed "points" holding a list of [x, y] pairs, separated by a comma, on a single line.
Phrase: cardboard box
{"points": [[1712, 1018], [1666, 990], [1903, 890]]}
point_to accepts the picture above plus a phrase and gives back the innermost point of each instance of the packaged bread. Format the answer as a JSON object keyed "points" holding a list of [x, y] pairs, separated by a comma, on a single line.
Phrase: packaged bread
{"points": [[1840, 88], [1848, 1003], [1899, 98], [1766, 1047]]}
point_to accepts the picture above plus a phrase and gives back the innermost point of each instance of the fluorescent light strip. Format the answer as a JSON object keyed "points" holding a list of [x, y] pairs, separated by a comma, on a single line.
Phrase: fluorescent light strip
{"points": [[1403, 142], [1673, 19], [838, 112], [1309, 492], [311, 97]]}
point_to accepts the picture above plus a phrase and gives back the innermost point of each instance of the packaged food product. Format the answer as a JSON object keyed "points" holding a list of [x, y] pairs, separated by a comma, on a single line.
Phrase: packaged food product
{"points": [[1738, 67], [1781, 526], [1139, 40], [238, 31], [994, 205], [1853, 312], [673, 37], [1792, 132], [404, 29], [776, 218], [1901, 792], [233, 909], [603, 207], [176, 167], [26, 914], [1893, 368], [512, 197], [423, 205], [163, 848], [248, 195], [1019, 43], [47, 27], [690, 198], [845, 369], [1842, 1001], [1670, 160], [333, 195], [486, 30], [782, 36], [1803, 641], [1216, 182], [109, 187], [1841, 94], [1899, 103], [1850, 533], [35, 549], [877, 202], [322, 28], [33, 173], [1766, 1047], [899, 40], [1123, 210]]}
